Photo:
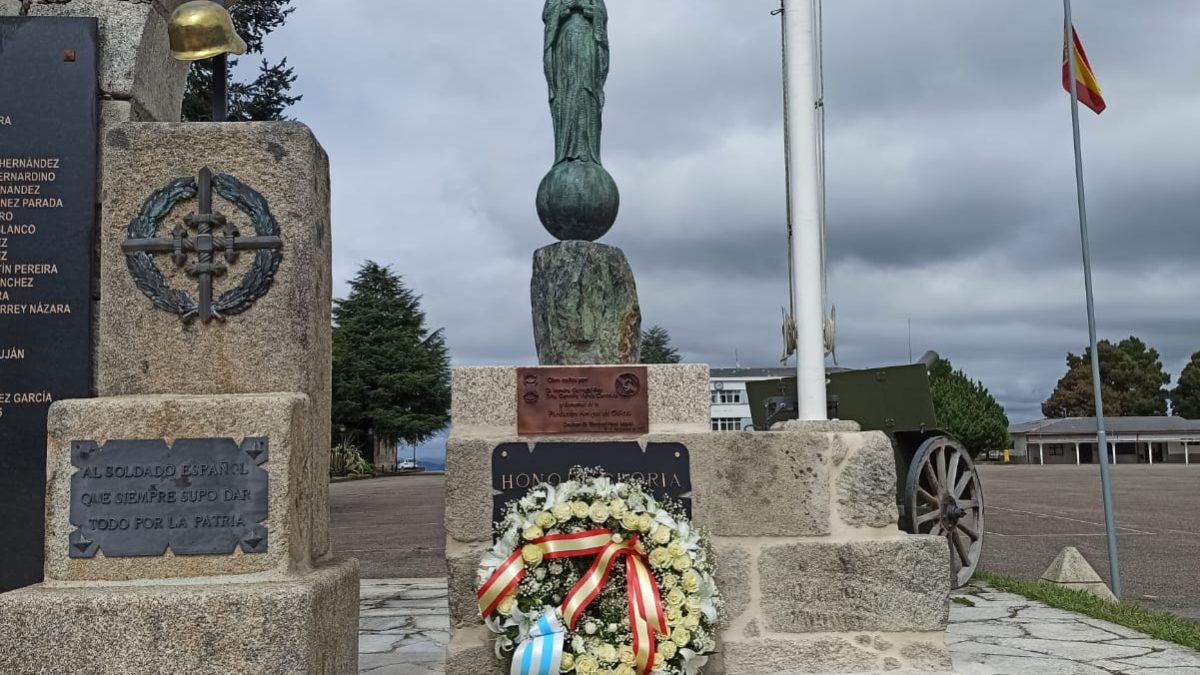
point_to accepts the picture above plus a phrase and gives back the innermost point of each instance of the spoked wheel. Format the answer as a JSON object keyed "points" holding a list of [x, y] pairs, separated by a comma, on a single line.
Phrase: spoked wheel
{"points": [[943, 497]]}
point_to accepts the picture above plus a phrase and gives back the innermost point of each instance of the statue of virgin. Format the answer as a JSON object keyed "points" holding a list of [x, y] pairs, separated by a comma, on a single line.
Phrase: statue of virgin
{"points": [[576, 64], [578, 198]]}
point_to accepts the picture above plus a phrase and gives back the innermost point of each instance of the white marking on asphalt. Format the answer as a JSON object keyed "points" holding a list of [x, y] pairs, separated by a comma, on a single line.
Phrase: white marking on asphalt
{"points": [[1072, 534], [1065, 518]]}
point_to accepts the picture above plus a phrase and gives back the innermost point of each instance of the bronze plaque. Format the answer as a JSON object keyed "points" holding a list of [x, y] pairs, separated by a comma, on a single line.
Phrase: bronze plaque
{"points": [[582, 400]]}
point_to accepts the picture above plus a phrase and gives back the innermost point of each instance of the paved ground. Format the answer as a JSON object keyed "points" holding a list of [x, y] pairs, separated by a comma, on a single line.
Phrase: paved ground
{"points": [[1034, 511], [392, 525], [405, 625]]}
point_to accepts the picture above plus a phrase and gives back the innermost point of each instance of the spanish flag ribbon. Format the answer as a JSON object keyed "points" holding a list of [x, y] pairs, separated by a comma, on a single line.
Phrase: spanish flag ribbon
{"points": [[645, 605], [1087, 88]]}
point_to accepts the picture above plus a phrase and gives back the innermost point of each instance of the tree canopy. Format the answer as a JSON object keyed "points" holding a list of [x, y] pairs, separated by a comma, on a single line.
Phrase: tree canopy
{"points": [[656, 346], [1132, 382], [1185, 397], [391, 374], [268, 95], [966, 409]]}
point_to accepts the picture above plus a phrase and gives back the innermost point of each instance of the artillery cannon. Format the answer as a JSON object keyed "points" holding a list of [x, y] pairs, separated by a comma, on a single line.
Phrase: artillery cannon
{"points": [[938, 487]]}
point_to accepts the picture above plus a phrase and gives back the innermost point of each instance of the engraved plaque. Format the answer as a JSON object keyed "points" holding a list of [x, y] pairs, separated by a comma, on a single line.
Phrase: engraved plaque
{"points": [[582, 400], [665, 468], [48, 117], [138, 498]]}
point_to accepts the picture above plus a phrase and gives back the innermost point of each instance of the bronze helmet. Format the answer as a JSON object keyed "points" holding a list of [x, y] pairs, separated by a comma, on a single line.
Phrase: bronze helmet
{"points": [[202, 29]]}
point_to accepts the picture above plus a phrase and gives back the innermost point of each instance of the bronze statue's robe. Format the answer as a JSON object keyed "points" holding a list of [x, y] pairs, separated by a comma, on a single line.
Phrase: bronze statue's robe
{"points": [[576, 63]]}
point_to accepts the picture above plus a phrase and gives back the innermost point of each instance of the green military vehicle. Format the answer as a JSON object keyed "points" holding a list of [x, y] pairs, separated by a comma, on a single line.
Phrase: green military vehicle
{"points": [[937, 483]]}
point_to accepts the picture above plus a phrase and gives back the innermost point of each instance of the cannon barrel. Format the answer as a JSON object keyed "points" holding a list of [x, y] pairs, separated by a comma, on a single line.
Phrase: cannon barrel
{"points": [[931, 357]]}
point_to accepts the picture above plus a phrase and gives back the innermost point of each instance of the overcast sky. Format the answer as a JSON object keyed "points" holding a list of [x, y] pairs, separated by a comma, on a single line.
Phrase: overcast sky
{"points": [[950, 175]]}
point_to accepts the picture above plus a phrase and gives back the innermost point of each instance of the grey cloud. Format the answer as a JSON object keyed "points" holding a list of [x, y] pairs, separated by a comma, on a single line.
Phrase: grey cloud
{"points": [[951, 191]]}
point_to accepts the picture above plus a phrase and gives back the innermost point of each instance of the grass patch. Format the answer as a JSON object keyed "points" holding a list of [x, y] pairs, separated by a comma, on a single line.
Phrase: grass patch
{"points": [[1155, 624], [960, 600]]}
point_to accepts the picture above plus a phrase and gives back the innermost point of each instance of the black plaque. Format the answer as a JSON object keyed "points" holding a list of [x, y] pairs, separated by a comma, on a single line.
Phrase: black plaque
{"points": [[137, 498], [48, 116], [665, 468]]}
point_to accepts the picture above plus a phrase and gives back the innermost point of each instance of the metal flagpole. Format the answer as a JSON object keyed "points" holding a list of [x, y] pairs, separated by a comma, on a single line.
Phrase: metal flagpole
{"points": [[804, 191], [1101, 436]]}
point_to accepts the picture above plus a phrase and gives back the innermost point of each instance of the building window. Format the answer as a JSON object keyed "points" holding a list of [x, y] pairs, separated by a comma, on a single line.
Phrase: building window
{"points": [[1056, 450], [726, 395], [727, 424]]}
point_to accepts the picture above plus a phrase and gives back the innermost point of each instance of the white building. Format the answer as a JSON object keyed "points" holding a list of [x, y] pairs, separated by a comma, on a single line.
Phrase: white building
{"points": [[730, 405], [1131, 440]]}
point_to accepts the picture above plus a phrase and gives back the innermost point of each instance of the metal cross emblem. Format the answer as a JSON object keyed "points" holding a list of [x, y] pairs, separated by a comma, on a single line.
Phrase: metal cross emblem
{"points": [[205, 244]]}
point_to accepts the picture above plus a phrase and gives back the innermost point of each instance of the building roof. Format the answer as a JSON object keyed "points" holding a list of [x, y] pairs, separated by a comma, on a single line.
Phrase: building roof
{"points": [[752, 373], [743, 373], [1074, 426]]}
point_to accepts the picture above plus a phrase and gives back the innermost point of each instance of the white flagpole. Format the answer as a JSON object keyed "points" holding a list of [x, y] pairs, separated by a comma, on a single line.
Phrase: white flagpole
{"points": [[1101, 435], [804, 190]]}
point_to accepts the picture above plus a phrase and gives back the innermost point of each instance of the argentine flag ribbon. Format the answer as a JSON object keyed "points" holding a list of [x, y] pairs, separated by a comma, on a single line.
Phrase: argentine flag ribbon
{"points": [[542, 653]]}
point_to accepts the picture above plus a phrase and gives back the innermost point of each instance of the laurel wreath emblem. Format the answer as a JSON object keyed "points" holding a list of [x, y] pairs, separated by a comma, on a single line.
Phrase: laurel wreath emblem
{"points": [[151, 281]]}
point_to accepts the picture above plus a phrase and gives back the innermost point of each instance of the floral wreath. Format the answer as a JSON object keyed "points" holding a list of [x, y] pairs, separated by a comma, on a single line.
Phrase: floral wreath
{"points": [[553, 593]]}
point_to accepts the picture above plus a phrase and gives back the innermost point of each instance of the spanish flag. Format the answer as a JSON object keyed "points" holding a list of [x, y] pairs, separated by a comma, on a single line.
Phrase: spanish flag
{"points": [[1086, 86]]}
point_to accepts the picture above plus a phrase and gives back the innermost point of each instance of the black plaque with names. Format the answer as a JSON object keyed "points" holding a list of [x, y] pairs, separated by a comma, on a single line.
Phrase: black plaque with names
{"points": [[48, 118], [137, 498], [664, 468]]}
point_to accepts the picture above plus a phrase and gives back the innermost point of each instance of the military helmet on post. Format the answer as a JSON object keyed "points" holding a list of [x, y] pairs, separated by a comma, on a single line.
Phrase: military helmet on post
{"points": [[202, 29]]}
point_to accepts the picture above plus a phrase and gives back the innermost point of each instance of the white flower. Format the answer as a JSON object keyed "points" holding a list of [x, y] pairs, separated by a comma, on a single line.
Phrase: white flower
{"points": [[590, 627], [577, 644], [539, 573], [708, 592], [524, 622], [692, 662]]}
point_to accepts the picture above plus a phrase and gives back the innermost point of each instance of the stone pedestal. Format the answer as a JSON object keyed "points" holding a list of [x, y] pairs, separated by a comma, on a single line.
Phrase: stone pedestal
{"points": [[585, 305], [814, 571], [264, 373]]}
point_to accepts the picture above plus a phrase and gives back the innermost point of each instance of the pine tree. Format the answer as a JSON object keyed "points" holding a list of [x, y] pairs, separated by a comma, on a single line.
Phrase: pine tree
{"points": [[656, 346], [966, 410], [391, 374], [1185, 397], [262, 99], [1073, 396], [1132, 382]]}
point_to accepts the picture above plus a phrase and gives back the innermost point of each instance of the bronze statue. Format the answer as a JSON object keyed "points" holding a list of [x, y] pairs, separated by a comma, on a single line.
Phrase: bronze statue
{"points": [[576, 64], [577, 199]]}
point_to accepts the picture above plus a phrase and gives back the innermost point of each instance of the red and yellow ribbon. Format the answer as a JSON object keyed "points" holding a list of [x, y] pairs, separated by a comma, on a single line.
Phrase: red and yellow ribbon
{"points": [[645, 604]]}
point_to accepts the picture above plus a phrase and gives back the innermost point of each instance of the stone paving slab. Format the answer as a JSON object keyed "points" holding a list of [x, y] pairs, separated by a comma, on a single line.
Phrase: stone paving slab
{"points": [[404, 629]]}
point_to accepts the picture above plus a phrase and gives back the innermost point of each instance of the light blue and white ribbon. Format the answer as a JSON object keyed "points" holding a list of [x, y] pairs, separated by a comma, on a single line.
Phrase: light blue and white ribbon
{"points": [[541, 653]]}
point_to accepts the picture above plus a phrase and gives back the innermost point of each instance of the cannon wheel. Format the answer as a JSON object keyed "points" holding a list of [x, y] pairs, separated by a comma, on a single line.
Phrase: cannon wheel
{"points": [[944, 497]]}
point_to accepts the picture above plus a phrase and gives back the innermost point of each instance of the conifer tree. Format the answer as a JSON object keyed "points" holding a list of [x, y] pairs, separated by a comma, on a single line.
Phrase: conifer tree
{"points": [[391, 373], [268, 95], [1185, 397], [966, 410], [656, 346]]}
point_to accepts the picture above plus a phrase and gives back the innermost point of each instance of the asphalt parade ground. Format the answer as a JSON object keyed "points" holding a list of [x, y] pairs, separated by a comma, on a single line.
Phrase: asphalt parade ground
{"points": [[1032, 512], [394, 526]]}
